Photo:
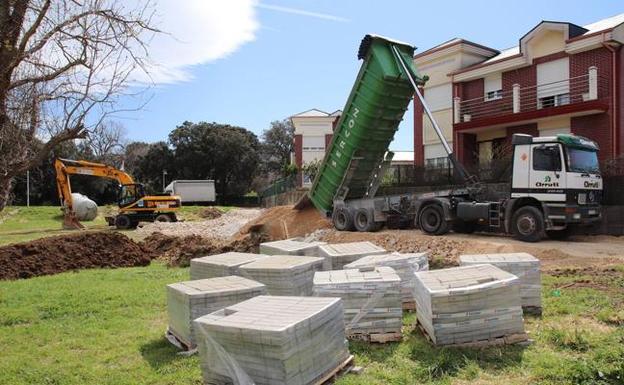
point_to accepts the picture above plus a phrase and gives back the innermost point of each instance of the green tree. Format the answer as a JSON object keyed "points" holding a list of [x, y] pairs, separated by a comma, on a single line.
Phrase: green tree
{"points": [[227, 154], [277, 145], [149, 167]]}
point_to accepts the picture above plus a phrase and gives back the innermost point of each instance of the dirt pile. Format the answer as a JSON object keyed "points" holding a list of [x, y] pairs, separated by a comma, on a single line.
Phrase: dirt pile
{"points": [[283, 222], [178, 251], [210, 213], [70, 252]]}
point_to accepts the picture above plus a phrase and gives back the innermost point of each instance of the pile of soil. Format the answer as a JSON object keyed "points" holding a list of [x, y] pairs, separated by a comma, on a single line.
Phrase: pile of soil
{"points": [[210, 213], [70, 252], [283, 222], [178, 251]]}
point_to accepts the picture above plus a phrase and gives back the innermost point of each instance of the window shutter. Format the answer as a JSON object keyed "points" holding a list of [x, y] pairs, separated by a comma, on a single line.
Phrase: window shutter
{"points": [[552, 72]]}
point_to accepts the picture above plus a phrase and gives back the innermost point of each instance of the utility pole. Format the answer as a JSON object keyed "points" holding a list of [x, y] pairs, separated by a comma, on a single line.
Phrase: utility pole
{"points": [[164, 175], [27, 188]]}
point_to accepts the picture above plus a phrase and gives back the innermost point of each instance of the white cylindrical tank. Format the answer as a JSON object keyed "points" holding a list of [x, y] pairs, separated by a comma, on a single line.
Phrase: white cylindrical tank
{"points": [[84, 208]]}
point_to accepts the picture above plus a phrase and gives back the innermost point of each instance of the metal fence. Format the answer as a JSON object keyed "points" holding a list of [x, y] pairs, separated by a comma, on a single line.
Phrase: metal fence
{"points": [[280, 186]]}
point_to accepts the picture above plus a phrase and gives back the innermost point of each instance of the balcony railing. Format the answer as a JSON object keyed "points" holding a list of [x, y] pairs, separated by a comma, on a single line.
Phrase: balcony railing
{"points": [[573, 90]]}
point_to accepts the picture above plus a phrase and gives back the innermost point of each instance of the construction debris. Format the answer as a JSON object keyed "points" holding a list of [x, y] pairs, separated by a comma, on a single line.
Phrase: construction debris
{"points": [[468, 304], [338, 255], [221, 265], [189, 300], [272, 340], [293, 246], [284, 274], [405, 265], [523, 265], [371, 298]]}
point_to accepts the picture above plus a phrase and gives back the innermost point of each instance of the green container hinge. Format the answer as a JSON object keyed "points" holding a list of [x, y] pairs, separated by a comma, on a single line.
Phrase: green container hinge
{"points": [[358, 153]]}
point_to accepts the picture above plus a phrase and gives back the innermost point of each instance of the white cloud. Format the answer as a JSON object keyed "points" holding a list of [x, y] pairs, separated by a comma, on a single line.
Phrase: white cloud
{"points": [[198, 31], [302, 12]]}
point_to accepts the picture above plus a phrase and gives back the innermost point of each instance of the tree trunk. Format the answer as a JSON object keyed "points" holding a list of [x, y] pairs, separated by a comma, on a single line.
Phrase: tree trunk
{"points": [[5, 191]]}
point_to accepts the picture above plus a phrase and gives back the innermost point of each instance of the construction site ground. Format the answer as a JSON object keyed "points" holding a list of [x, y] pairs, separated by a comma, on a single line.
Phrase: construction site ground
{"points": [[100, 323]]}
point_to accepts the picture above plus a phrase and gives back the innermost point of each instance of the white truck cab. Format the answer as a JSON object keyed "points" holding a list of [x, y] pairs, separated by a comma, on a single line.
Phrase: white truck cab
{"points": [[562, 174]]}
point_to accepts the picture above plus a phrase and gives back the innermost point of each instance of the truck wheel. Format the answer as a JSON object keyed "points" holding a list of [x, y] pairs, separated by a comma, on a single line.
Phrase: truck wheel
{"points": [[365, 220], [163, 218], [123, 222], [528, 224], [342, 219], [431, 220]]}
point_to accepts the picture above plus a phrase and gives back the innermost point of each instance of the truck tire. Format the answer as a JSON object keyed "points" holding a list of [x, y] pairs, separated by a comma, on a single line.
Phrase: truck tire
{"points": [[364, 220], [123, 222], [431, 220], [342, 219], [163, 218], [527, 224]]}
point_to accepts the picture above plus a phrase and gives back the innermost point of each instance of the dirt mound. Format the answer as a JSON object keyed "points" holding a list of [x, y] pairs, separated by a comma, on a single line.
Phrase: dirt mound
{"points": [[283, 222], [210, 213], [178, 251], [70, 252]]}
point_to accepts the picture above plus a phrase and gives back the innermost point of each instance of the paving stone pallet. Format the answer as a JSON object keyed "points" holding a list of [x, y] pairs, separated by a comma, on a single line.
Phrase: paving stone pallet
{"points": [[189, 300], [468, 304], [339, 254], [524, 266], [272, 340], [284, 274], [405, 265], [221, 265], [293, 246], [371, 298]]}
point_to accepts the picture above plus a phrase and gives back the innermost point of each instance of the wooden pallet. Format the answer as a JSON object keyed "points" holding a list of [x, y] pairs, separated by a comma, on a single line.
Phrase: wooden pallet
{"points": [[380, 338], [340, 370], [505, 340], [178, 341], [409, 306]]}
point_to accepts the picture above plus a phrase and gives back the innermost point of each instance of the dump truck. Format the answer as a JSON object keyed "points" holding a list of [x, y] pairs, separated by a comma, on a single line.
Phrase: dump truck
{"points": [[555, 183], [134, 205]]}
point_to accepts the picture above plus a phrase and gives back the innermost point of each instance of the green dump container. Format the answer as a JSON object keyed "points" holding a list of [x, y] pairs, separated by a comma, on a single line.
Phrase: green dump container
{"points": [[376, 105]]}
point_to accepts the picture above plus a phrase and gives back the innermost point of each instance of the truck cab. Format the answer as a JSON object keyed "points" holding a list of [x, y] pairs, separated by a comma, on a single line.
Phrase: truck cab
{"points": [[561, 175]]}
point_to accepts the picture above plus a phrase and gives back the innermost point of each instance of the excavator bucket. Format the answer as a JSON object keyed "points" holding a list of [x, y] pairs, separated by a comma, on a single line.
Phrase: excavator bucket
{"points": [[71, 223]]}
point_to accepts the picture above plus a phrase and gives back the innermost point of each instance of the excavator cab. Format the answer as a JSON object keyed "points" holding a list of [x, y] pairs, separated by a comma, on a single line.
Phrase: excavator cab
{"points": [[130, 193]]}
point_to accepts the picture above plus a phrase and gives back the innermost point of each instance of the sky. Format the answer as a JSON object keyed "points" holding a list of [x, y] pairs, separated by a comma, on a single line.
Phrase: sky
{"points": [[247, 63]]}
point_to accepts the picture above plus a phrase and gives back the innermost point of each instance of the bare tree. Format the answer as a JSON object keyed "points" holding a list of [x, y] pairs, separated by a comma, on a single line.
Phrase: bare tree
{"points": [[63, 66], [107, 138]]}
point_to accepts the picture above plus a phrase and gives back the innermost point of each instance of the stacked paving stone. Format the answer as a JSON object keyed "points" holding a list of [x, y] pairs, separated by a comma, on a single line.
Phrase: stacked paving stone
{"points": [[405, 265], [469, 304], [294, 246], [272, 340], [284, 274], [189, 300], [371, 298], [221, 265], [340, 254], [523, 265]]}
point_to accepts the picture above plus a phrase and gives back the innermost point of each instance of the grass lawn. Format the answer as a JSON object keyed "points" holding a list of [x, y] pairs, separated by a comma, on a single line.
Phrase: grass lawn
{"points": [[21, 224], [106, 327]]}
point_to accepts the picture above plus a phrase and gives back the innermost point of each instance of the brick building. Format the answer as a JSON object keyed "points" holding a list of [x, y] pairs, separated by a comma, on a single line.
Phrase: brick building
{"points": [[561, 78]]}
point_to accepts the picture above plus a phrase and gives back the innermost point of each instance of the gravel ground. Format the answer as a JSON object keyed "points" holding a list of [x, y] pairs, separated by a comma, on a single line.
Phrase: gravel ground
{"points": [[223, 227]]}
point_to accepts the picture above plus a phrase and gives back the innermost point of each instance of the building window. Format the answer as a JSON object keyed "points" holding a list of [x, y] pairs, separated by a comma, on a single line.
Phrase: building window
{"points": [[493, 87], [554, 101], [436, 163], [313, 143], [553, 83]]}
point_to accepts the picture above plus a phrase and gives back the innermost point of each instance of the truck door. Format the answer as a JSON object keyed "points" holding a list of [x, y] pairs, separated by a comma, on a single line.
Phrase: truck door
{"points": [[547, 179]]}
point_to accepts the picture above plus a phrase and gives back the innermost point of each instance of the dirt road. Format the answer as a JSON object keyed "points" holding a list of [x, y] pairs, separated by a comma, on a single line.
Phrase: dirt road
{"points": [[577, 252]]}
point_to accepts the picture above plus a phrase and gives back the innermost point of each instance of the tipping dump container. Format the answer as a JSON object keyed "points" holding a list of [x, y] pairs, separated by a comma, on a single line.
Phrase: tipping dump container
{"points": [[376, 105]]}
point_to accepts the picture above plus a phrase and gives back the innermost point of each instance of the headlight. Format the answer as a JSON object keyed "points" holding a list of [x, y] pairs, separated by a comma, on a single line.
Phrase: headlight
{"points": [[581, 198], [591, 197]]}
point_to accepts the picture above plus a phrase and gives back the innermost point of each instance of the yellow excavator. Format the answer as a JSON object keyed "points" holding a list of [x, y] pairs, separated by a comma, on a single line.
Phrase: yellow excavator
{"points": [[134, 205]]}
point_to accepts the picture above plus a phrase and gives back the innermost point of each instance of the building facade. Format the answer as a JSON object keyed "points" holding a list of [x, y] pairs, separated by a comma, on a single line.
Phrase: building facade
{"points": [[561, 78], [314, 130]]}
